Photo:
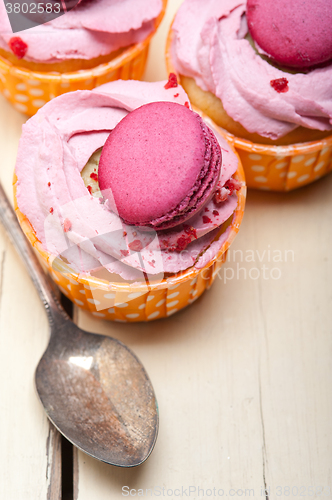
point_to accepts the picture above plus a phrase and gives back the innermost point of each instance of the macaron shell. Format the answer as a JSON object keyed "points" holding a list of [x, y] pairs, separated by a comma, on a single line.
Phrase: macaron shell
{"points": [[150, 165], [295, 33]]}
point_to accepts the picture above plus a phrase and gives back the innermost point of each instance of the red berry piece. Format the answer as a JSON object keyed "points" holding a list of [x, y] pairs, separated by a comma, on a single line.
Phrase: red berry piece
{"points": [[66, 225], [190, 230], [206, 219], [18, 47], [172, 81], [232, 185], [220, 195], [182, 243], [280, 85], [94, 176], [135, 246]]}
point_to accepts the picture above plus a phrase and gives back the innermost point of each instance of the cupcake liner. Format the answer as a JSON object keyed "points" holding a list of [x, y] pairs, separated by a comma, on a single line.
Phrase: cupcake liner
{"points": [[283, 168], [29, 90], [126, 302], [276, 168]]}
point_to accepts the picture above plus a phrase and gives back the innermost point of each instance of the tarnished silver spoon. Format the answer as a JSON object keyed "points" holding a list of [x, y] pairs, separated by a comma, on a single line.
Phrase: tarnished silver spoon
{"points": [[93, 388]]}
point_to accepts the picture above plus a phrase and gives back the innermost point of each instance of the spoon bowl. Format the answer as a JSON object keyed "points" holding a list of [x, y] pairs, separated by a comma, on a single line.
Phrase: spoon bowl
{"points": [[93, 388], [97, 394]]}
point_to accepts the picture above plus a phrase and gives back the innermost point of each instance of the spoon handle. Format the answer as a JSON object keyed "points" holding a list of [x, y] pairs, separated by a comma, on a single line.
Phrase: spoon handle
{"points": [[23, 247]]}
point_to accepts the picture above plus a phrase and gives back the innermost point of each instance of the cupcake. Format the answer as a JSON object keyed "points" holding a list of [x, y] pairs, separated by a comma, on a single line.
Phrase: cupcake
{"points": [[96, 42], [130, 199], [274, 101]]}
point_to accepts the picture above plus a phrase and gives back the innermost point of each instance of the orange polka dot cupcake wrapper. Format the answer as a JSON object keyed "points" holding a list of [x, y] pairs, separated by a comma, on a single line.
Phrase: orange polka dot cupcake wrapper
{"points": [[283, 168], [29, 90], [126, 302]]}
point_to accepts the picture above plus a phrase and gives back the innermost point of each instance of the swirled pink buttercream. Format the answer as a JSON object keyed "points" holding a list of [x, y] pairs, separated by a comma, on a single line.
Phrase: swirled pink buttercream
{"points": [[55, 146], [92, 29], [209, 45]]}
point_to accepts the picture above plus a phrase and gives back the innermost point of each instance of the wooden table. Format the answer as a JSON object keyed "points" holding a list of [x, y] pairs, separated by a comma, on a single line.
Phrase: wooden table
{"points": [[243, 376]]}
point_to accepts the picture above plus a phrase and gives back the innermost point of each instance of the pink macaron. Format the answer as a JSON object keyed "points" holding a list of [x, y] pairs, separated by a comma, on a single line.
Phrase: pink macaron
{"points": [[294, 33], [159, 166]]}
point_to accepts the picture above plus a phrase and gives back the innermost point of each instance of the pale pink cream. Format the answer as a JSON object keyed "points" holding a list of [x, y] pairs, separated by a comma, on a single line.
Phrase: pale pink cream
{"points": [[54, 148], [209, 45], [90, 30]]}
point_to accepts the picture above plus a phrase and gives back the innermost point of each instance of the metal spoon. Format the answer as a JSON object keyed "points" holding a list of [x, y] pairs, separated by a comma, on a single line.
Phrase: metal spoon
{"points": [[93, 388]]}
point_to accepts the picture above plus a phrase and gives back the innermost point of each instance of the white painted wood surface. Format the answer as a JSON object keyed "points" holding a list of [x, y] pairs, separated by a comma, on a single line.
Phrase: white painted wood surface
{"points": [[29, 446], [243, 376]]}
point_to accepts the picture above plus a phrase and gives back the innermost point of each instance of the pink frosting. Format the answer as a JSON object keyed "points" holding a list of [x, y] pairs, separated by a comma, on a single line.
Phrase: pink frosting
{"points": [[91, 30], [209, 45], [56, 144]]}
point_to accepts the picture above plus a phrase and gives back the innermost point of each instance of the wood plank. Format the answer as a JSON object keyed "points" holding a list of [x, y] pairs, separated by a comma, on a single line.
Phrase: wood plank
{"points": [[243, 376], [30, 458], [295, 339]]}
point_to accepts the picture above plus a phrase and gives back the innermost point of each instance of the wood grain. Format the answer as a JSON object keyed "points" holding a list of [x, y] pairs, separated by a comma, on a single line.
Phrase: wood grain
{"points": [[243, 376], [29, 445]]}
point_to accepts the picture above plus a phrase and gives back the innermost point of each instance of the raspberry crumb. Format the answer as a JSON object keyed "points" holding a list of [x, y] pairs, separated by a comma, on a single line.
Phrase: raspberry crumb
{"points": [[280, 85], [182, 243], [215, 212], [232, 185], [223, 192], [206, 209], [125, 253], [66, 225], [49, 184], [18, 47], [124, 233], [94, 176], [51, 210], [206, 219], [135, 246], [191, 231], [172, 81], [176, 95], [186, 104], [90, 189], [220, 195]]}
